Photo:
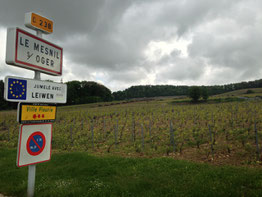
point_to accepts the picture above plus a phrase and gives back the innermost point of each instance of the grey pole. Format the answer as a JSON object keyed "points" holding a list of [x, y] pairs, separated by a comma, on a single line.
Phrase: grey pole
{"points": [[37, 73], [32, 168], [31, 180]]}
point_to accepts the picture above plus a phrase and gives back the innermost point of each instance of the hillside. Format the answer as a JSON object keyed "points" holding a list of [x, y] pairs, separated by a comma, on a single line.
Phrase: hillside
{"points": [[243, 92]]}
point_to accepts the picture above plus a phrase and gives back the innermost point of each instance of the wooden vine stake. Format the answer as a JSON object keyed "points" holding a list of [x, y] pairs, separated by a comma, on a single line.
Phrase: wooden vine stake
{"points": [[172, 137], [116, 132], [257, 146], [142, 137], [92, 134], [211, 141]]}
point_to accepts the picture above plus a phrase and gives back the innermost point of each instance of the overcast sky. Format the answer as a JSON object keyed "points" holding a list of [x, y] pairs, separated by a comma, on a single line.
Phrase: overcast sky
{"points": [[121, 43]]}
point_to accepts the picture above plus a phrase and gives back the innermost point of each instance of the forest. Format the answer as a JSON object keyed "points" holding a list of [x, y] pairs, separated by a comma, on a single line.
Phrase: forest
{"points": [[171, 90]]}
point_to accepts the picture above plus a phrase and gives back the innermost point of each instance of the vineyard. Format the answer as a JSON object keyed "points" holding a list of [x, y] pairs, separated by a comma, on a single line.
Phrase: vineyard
{"points": [[222, 133]]}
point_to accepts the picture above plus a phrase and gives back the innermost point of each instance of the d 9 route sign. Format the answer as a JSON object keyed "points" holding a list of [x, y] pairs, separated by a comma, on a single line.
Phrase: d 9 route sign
{"points": [[35, 21], [29, 51]]}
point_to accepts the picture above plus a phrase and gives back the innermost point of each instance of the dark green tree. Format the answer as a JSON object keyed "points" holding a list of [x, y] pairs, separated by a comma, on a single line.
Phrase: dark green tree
{"points": [[3, 103], [87, 92], [119, 95], [195, 93], [250, 91], [73, 92], [204, 93]]}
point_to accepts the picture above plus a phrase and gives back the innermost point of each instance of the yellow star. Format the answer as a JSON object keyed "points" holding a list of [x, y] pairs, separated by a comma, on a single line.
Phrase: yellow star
{"points": [[23, 93], [16, 96], [23, 89], [17, 81], [13, 95], [20, 95], [23, 86], [13, 82], [10, 88], [11, 85], [11, 92], [20, 83]]}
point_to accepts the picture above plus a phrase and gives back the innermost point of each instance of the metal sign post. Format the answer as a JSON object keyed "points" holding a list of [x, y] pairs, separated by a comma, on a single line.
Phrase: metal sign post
{"points": [[32, 168], [31, 180]]}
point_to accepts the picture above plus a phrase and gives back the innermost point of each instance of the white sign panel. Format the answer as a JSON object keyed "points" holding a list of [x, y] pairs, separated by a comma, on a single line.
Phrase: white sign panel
{"points": [[29, 51], [19, 89], [34, 144]]}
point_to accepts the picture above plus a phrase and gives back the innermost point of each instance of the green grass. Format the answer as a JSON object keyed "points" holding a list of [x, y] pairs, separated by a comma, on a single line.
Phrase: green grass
{"points": [[79, 174]]}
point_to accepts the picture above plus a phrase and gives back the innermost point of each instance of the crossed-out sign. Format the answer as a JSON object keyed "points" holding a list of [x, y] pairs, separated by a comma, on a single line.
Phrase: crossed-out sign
{"points": [[34, 144]]}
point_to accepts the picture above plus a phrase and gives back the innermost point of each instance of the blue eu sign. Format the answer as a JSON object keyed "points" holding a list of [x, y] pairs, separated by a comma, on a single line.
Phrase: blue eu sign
{"points": [[16, 89]]}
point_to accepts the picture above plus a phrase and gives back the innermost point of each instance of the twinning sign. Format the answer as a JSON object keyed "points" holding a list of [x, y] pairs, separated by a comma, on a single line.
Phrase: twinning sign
{"points": [[19, 89]]}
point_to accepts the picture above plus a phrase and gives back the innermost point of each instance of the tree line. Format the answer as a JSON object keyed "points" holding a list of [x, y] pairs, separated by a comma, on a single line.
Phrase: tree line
{"points": [[82, 92], [143, 91]]}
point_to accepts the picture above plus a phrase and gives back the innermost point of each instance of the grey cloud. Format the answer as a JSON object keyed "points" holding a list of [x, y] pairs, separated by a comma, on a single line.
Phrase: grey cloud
{"points": [[185, 15], [239, 52], [134, 75], [134, 27], [68, 16], [176, 68], [110, 37]]}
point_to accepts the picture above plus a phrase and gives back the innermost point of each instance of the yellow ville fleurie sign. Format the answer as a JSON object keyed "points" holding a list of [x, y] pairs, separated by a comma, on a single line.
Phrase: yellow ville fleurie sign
{"points": [[32, 113]]}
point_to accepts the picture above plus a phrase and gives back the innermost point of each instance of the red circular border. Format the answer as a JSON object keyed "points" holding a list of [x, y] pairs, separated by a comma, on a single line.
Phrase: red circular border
{"points": [[29, 139]]}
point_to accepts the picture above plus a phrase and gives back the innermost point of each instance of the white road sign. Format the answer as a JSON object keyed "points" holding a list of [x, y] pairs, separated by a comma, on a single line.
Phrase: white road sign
{"points": [[34, 144], [19, 89], [29, 51]]}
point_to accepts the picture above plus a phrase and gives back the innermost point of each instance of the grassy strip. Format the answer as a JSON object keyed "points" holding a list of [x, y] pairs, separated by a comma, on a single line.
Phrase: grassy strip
{"points": [[79, 174]]}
